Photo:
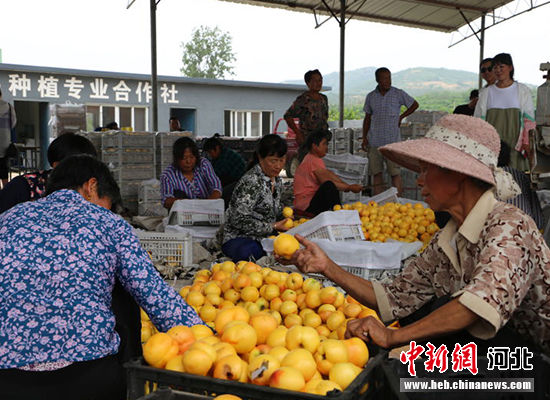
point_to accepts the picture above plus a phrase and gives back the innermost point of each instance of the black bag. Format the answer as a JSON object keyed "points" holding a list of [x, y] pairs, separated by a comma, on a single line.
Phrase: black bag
{"points": [[11, 151]]}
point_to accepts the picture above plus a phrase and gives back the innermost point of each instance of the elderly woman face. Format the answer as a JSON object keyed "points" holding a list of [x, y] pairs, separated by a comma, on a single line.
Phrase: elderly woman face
{"points": [[440, 186], [188, 162], [272, 165]]}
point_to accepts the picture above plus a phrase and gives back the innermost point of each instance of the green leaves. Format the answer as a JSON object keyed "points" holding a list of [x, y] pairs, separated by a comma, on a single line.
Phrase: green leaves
{"points": [[208, 54]]}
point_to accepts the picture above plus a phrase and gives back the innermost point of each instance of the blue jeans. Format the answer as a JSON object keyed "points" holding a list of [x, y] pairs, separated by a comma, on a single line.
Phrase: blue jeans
{"points": [[242, 249]]}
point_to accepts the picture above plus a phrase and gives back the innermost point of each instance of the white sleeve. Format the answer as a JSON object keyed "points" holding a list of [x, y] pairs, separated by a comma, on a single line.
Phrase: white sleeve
{"points": [[481, 106]]}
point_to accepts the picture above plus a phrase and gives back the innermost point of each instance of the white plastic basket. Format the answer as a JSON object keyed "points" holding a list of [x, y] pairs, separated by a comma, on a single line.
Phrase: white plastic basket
{"points": [[349, 177], [347, 163], [332, 225], [381, 274], [167, 248], [388, 196], [197, 212], [350, 197]]}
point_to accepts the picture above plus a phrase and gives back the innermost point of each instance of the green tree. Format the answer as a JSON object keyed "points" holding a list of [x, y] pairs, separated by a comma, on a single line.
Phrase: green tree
{"points": [[350, 112], [208, 54]]}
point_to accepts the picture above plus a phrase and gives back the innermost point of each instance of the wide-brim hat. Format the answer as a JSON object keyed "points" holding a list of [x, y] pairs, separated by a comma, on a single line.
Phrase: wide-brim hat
{"points": [[459, 143]]}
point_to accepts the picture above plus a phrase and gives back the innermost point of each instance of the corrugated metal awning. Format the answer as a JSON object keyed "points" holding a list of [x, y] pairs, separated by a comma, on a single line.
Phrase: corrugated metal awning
{"points": [[443, 16]]}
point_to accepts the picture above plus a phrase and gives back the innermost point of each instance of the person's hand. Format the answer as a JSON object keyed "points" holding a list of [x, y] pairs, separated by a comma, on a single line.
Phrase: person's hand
{"points": [[282, 225], [310, 258], [370, 329], [355, 188], [365, 144]]}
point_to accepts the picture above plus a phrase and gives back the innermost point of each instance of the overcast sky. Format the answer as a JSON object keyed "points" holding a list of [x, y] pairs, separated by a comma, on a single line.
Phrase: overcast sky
{"points": [[271, 45]]}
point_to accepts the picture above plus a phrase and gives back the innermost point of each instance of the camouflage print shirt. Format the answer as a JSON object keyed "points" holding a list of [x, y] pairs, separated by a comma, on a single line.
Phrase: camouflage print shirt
{"points": [[497, 264], [254, 207]]}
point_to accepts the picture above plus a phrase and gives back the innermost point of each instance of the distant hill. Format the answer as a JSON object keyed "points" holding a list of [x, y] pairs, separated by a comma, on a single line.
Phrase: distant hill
{"points": [[438, 89], [415, 81]]}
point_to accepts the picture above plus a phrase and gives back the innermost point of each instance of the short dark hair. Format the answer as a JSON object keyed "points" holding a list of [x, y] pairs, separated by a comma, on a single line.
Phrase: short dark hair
{"points": [[67, 145], [182, 144], [506, 59], [172, 117], [474, 93], [504, 154], [74, 171], [269, 145], [317, 137], [112, 125], [486, 60], [309, 74], [212, 143], [379, 71]]}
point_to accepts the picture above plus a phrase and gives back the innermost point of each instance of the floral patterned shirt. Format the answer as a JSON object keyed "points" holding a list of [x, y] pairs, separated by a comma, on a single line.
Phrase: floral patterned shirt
{"points": [[59, 257], [497, 264], [254, 208], [313, 113]]}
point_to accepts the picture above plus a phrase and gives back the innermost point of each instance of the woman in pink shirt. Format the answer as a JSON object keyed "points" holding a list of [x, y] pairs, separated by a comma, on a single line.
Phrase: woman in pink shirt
{"points": [[315, 187]]}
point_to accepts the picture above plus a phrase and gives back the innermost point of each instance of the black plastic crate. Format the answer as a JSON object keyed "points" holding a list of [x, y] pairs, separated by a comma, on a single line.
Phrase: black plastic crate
{"points": [[139, 375], [165, 393], [392, 370]]}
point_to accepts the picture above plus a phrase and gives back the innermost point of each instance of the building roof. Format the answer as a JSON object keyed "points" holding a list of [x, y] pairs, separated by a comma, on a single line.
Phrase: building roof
{"points": [[437, 15], [145, 77]]}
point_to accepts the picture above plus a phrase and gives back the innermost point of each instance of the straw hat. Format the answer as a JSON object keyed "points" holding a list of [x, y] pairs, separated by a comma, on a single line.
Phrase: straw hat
{"points": [[460, 143]]}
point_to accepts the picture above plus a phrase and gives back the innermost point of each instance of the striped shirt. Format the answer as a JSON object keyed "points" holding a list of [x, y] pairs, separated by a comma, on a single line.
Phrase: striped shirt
{"points": [[527, 201], [204, 182], [385, 110]]}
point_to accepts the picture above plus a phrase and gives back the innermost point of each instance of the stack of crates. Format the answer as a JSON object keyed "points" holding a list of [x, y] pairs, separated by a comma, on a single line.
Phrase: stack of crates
{"points": [[131, 158], [94, 137], [351, 169], [66, 118], [357, 142], [330, 147], [425, 117], [149, 199], [417, 124], [341, 140], [164, 142]]}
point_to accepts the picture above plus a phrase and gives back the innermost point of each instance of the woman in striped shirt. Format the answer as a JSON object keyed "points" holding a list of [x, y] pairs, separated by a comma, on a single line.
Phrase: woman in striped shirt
{"points": [[190, 176]]}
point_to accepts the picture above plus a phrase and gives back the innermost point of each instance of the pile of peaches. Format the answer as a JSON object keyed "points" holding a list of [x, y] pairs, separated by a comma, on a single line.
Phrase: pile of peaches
{"points": [[272, 328]]}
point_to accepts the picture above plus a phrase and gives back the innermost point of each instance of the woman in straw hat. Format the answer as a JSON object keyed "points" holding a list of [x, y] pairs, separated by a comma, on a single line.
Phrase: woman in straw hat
{"points": [[490, 260]]}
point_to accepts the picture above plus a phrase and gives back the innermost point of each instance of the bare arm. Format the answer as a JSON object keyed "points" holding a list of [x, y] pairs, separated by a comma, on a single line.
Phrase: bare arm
{"points": [[312, 259], [299, 134], [449, 318], [323, 175], [216, 194], [366, 127], [408, 111]]}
